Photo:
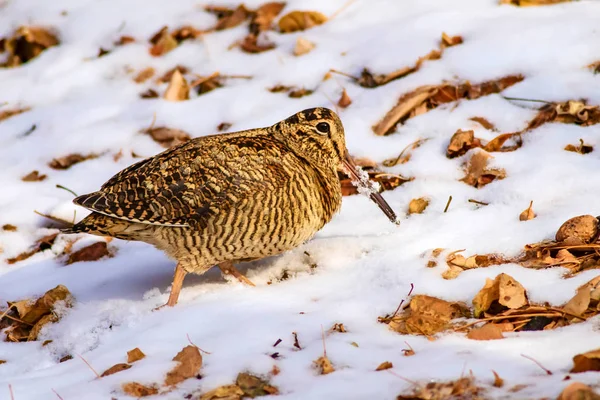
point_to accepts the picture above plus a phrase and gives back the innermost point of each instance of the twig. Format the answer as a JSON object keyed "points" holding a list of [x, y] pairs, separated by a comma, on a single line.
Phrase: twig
{"points": [[55, 219], [342, 8], [537, 363], [29, 131], [448, 203], [411, 146], [194, 344], [12, 395], [57, 395], [401, 377], [201, 80], [323, 339], [408, 351], [478, 202], [277, 342], [67, 189], [500, 317], [88, 364], [412, 286], [16, 319], [6, 311], [335, 71], [296, 343], [530, 100]]}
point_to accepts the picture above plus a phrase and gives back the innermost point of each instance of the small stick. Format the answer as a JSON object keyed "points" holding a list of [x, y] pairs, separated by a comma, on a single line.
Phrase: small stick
{"points": [[12, 395], [448, 203], [16, 319], [412, 286], [403, 378], [6, 311], [88, 364], [478, 202], [335, 71], [500, 317], [296, 343], [67, 189], [194, 344], [323, 339], [57, 395], [277, 342], [537, 363], [200, 81], [342, 8], [531, 100]]}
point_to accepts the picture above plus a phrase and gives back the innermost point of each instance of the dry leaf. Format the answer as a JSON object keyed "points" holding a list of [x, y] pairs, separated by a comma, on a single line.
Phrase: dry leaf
{"points": [[484, 122], [417, 206], [227, 392], [504, 290], [67, 162], [427, 315], [12, 112], [115, 368], [344, 100], [497, 143], [27, 43], [45, 243], [138, 390], [253, 386], [223, 126], [205, 84], [384, 365], [123, 40], [589, 361], [256, 44], [190, 361], [92, 252], [578, 391], [529, 3], [463, 388], [229, 18], [178, 88], [528, 214], [303, 46], [135, 355], [337, 327], [163, 42], [449, 41], [144, 75], [498, 382], [167, 76], [149, 94], [167, 137], [34, 176], [580, 302], [580, 229], [400, 112], [581, 148], [461, 142], [486, 332], [9, 228], [477, 173], [264, 16], [324, 365], [300, 21]]}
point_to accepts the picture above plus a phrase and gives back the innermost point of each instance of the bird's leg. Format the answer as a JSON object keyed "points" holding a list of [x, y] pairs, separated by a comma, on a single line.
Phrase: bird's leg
{"points": [[175, 286], [228, 269]]}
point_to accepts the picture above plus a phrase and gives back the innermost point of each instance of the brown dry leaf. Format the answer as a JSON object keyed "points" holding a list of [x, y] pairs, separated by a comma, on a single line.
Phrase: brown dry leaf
{"points": [[368, 79], [138, 390], [37, 328], [223, 126], [463, 388], [578, 230], [323, 365], [27, 43], [2, 362], [528, 213], [167, 76], [42, 244], [569, 112], [497, 143], [144, 75], [578, 391], [116, 368], [12, 112], [256, 44], [595, 67], [227, 392], [344, 100], [449, 41], [92, 252], [581, 148], [427, 315], [477, 173], [385, 180], [162, 42], [67, 162], [589, 361], [303, 46], [338, 327], [253, 386], [9, 228], [135, 355], [149, 94], [401, 111], [529, 3], [186, 32], [227, 18], [34, 176], [205, 84], [190, 361], [264, 16], [498, 382], [123, 40], [178, 88], [484, 122], [580, 302], [404, 155], [300, 21], [461, 142], [504, 291], [384, 365], [417, 206], [167, 137], [486, 332]]}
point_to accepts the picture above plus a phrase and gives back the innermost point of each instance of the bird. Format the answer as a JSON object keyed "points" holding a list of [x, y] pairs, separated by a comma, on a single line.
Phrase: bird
{"points": [[232, 197]]}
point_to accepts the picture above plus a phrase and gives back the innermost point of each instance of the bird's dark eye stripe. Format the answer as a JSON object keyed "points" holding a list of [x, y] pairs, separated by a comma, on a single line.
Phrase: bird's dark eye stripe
{"points": [[323, 127]]}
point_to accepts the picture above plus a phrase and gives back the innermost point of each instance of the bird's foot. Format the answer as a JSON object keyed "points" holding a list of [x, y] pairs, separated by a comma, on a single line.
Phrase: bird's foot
{"points": [[228, 268]]}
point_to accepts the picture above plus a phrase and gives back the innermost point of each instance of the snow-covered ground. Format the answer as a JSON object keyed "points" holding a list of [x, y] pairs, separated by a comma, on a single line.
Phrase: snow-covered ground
{"points": [[365, 265]]}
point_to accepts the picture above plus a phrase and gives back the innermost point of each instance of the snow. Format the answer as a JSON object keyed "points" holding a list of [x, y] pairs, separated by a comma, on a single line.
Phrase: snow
{"points": [[365, 264]]}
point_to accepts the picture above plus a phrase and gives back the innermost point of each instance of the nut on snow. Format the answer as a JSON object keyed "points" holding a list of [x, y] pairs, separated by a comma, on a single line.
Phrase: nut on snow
{"points": [[581, 229]]}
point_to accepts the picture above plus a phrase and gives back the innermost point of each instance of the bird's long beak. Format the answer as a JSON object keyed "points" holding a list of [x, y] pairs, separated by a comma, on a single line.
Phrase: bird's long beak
{"points": [[361, 180]]}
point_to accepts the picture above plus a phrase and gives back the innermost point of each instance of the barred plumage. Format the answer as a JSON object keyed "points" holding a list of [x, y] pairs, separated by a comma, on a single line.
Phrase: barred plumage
{"points": [[231, 197]]}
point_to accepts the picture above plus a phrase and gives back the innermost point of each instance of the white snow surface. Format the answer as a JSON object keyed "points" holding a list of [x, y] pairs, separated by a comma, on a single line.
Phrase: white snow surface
{"points": [[365, 264]]}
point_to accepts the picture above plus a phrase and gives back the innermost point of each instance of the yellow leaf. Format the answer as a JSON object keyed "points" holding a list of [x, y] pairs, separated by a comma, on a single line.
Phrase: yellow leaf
{"points": [[300, 20]]}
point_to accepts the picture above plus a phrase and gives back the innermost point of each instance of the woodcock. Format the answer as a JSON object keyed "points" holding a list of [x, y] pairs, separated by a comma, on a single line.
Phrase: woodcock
{"points": [[227, 198]]}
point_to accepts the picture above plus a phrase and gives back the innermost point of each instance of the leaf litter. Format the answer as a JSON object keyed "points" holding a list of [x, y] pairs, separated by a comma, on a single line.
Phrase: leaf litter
{"points": [[386, 181]]}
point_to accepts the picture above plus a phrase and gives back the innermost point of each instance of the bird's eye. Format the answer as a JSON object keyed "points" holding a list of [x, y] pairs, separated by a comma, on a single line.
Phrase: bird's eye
{"points": [[323, 127]]}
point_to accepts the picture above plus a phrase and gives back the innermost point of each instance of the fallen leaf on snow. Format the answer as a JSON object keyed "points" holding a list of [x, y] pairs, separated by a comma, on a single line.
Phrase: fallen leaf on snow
{"points": [[589, 361], [417, 206], [504, 292], [144, 75], [528, 213], [253, 386], [162, 42], [486, 332], [449, 41], [27, 43], [12, 112], [578, 391], [404, 155], [463, 388], [477, 172], [189, 362], [256, 44], [386, 181], [9, 228], [338, 327], [344, 100], [228, 18], [67, 162], [93, 252], [34, 176], [138, 390], [581, 148], [300, 21], [384, 365], [303, 46], [135, 355], [42, 244], [178, 88], [529, 3], [227, 392], [568, 112], [116, 368], [461, 142], [323, 365], [484, 122], [498, 382], [263, 17], [167, 137]]}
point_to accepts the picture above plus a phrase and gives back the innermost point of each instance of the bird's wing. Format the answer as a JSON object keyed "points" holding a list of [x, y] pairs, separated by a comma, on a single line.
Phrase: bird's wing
{"points": [[186, 185]]}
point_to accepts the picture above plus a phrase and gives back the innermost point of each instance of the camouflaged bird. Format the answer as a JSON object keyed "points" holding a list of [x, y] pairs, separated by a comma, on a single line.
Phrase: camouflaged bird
{"points": [[226, 198]]}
